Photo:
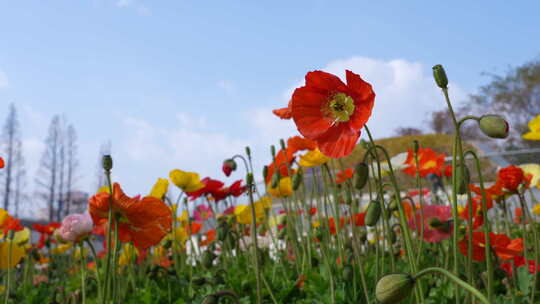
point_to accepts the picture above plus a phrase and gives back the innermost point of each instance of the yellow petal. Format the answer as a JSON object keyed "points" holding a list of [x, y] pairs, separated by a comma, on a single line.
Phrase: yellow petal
{"points": [[60, 249], [533, 170], [242, 213], [313, 158], [22, 237], [534, 126], [3, 216], [283, 189], [187, 181], [104, 189], [160, 188], [17, 253], [536, 209]]}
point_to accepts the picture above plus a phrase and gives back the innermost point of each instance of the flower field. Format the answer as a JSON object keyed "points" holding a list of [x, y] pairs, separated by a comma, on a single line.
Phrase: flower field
{"points": [[418, 226]]}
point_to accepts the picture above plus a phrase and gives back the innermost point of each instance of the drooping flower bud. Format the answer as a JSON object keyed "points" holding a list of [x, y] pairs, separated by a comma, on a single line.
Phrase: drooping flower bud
{"points": [[393, 206], [273, 151], [373, 213], [463, 178], [107, 162], [282, 143], [440, 76], [248, 152], [361, 175], [249, 179], [494, 126], [416, 146], [393, 288], [229, 166], [297, 180]]}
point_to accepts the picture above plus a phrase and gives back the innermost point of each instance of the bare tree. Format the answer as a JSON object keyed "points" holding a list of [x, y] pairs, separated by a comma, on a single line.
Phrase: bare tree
{"points": [[72, 164], [20, 180], [12, 151], [48, 174]]}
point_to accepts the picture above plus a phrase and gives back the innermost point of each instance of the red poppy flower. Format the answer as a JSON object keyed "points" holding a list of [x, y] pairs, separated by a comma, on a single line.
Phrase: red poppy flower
{"points": [[11, 224], [511, 177], [476, 205], [210, 237], [312, 211], [45, 232], [297, 143], [284, 113], [493, 193], [344, 175], [217, 190], [331, 112], [416, 192], [332, 224], [142, 221], [429, 162], [359, 219], [518, 215], [2, 163], [519, 261], [502, 245], [448, 170]]}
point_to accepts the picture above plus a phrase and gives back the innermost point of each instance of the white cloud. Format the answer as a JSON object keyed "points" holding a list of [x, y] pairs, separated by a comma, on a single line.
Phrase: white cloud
{"points": [[405, 95], [140, 8], [124, 3], [4, 82]]}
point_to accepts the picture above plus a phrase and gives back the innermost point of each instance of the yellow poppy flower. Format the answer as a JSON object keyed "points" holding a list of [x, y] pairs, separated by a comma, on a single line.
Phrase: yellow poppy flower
{"points": [[187, 181], [129, 252], [60, 249], [266, 202], [536, 209], [534, 127], [283, 189], [180, 235], [160, 188], [22, 237], [243, 213], [17, 253], [313, 158], [3, 216], [534, 170], [77, 253], [315, 224]]}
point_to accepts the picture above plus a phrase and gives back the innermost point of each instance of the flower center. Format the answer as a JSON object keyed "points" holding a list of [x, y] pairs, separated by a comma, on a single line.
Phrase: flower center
{"points": [[339, 108]]}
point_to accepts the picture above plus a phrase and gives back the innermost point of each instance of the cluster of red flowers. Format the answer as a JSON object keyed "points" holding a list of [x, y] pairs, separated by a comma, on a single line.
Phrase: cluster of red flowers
{"points": [[45, 233], [217, 191], [502, 245]]}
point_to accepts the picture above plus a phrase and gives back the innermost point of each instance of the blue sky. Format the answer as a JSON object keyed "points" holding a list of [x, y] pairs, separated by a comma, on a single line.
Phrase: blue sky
{"points": [[185, 84]]}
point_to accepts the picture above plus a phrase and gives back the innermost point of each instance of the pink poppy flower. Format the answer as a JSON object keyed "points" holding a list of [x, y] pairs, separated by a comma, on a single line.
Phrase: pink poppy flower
{"points": [[436, 225], [75, 227], [202, 213]]}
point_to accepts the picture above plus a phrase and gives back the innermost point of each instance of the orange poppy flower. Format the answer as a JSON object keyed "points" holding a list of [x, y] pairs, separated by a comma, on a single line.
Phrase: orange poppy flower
{"points": [[210, 237], [502, 245], [142, 221], [476, 205], [344, 175], [429, 162], [331, 112], [280, 163], [2, 163]]}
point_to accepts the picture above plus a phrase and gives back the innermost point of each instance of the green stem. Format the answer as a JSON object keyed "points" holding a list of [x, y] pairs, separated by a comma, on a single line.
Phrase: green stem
{"points": [[454, 279]]}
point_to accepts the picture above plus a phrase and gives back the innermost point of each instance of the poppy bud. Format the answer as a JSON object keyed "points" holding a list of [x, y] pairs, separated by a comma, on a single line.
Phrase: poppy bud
{"points": [[107, 162], [208, 259], [273, 151], [248, 152], [282, 143], [494, 126], [361, 175], [393, 288], [211, 299], [296, 180], [393, 206], [348, 273], [392, 236], [249, 179], [265, 172], [229, 165], [275, 179], [440, 76], [373, 213], [463, 179], [416, 146]]}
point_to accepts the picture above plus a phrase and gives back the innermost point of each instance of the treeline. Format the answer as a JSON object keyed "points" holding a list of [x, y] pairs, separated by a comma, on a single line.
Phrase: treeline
{"points": [[57, 174]]}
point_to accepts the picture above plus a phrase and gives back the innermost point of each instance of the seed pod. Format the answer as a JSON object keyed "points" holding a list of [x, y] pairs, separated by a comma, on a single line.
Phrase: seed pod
{"points": [[394, 288], [249, 179], [248, 152], [348, 273], [440, 76], [373, 213], [494, 126], [107, 162], [282, 143], [297, 180], [463, 179], [273, 151], [361, 175]]}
